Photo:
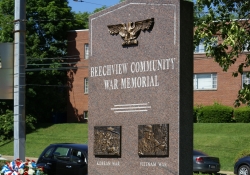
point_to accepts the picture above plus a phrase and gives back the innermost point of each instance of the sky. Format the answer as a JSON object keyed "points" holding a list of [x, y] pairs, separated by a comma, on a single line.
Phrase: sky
{"points": [[90, 5]]}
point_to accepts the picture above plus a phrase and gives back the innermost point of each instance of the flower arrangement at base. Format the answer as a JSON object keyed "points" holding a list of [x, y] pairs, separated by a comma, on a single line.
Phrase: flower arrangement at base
{"points": [[18, 167]]}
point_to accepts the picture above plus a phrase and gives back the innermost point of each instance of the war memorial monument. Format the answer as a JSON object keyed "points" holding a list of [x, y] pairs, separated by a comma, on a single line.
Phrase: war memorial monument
{"points": [[141, 89]]}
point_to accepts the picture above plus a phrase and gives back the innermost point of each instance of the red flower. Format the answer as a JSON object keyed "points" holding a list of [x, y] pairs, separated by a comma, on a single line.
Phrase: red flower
{"points": [[18, 163]]}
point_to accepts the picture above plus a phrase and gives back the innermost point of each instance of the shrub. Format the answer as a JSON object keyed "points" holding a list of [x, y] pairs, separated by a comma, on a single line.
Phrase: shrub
{"points": [[242, 114], [216, 114], [7, 125], [195, 112], [30, 122], [241, 154]]}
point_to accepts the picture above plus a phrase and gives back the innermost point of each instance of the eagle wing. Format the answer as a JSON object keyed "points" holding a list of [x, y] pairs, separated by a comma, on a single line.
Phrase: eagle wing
{"points": [[117, 29], [142, 25], [147, 24]]}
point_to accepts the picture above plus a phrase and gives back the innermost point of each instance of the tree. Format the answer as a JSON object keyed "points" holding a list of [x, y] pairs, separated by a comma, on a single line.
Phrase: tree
{"points": [[47, 23], [228, 20], [6, 35], [100, 9], [82, 19]]}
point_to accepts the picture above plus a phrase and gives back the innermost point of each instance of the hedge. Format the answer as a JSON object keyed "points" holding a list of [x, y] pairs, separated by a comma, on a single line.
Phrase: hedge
{"points": [[195, 114], [215, 114], [242, 114]]}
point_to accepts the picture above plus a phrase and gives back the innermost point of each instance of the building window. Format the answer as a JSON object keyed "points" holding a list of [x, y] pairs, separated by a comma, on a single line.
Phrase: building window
{"points": [[201, 47], [86, 85], [245, 46], [86, 51], [205, 81], [245, 79], [85, 114]]}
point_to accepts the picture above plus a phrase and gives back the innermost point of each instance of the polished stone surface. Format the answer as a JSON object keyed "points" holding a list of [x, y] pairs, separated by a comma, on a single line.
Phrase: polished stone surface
{"points": [[146, 84]]}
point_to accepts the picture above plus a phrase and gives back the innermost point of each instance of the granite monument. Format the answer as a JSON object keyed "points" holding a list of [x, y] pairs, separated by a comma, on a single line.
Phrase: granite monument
{"points": [[141, 88]]}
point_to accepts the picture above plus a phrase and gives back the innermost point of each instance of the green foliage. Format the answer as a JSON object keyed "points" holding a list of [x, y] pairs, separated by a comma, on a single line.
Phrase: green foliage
{"points": [[82, 19], [7, 125], [216, 114], [6, 24], [99, 9], [243, 95], [242, 114], [47, 26], [195, 112], [222, 22], [48, 22], [241, 154], [30, 123], [5, 105]]}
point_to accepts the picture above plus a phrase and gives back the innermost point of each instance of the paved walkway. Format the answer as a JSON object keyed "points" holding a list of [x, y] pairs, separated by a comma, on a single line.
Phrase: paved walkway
{"points": [[226, 173], [10, 158]]}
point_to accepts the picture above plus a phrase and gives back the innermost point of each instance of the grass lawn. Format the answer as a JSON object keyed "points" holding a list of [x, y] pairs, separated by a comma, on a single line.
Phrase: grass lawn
{"points": [[47, 134], [223, 140]]}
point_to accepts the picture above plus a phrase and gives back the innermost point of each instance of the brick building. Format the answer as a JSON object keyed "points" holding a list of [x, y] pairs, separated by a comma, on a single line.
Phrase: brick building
{"points": [[220, 87], [211, 84], [77, 107]]}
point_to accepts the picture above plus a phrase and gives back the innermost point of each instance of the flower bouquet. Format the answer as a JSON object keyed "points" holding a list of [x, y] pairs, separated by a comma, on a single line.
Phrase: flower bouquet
{"points": [[18, 167]]}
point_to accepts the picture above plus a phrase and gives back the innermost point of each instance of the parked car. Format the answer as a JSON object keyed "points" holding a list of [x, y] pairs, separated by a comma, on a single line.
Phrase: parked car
{"points": [[64, 159], [242, 166], [204, 163]]}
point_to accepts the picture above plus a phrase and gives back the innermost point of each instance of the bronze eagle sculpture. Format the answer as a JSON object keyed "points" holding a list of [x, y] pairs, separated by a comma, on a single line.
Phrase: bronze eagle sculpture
{"points": [[131, 31]]}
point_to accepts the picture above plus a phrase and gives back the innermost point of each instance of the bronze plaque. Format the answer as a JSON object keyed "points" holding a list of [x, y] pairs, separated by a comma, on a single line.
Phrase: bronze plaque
{"points": [[153, 140], [107, 141]]}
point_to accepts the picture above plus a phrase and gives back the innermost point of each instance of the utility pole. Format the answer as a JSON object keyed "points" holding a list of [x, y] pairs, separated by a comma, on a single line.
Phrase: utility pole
{"points": [[19, 79]]}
